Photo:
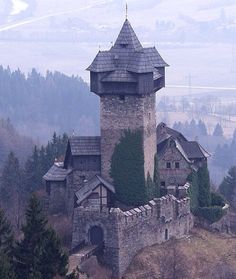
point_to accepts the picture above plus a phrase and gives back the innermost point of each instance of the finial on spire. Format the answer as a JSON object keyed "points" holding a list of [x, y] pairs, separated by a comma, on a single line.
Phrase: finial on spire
{"points": [[126, 11]]}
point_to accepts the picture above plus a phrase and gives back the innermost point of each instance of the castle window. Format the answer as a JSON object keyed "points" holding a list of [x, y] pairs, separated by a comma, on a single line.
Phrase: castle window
{"points": [[149, 116], [168, 165], [163, 184], [122, 97], [177, 165]]}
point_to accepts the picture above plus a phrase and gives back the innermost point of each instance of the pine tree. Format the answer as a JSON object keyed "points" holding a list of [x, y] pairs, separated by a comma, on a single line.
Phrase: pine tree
{"points": [[202, 128], [204, 194], [6, 267], [54, 260], [11, 178], [228, 185], [218, 131], [6, 235], [6, 248], [34, 253]]}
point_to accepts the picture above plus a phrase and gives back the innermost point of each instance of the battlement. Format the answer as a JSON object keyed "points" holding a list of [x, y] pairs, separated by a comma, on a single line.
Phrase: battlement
{"points": [[166, 208]]}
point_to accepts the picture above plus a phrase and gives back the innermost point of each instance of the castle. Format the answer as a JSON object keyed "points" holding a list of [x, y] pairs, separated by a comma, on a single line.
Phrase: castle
{"points": [[126, 78]]}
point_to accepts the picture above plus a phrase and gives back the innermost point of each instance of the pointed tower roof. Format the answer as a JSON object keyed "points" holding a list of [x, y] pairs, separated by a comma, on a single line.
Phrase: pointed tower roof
{"points": [[127, 55], [128, 38]]}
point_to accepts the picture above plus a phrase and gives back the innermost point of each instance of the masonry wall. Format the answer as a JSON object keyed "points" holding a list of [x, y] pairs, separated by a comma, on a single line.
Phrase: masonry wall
{"points": [[173, 176], [57, 202], [133, 113], [125, 233]]}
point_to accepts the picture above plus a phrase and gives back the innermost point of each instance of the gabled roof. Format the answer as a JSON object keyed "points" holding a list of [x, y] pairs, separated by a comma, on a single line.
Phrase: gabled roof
{"points": [[85, 145], [162, 146], [194, 150], [127, 55], [90, 186], [164, 132], [56, 173], [191, 150]]}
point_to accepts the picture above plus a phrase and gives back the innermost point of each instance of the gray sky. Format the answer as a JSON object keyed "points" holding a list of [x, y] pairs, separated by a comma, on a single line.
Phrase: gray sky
{"points": [[196, 37]]}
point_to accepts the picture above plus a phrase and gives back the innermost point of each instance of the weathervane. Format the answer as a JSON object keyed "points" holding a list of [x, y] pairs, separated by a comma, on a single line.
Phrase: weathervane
{"points": [[126, 11]]}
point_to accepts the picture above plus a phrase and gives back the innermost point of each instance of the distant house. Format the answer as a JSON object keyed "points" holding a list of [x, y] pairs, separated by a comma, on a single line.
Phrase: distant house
{"points": [[177, 157]]}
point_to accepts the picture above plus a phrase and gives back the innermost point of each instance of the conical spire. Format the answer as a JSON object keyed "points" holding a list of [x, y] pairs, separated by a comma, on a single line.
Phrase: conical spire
{"points": [[127, 38]]}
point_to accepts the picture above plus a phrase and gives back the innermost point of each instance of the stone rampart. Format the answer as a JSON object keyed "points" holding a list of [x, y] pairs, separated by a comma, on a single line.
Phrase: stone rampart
{"points": [[125, 233]]}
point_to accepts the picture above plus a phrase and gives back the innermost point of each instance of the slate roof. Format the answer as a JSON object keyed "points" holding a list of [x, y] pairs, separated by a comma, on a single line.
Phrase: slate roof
{"points": [[190, 150], [168, 133], [194, 150], [91, 185], [56, 173], [128, 55], [85, 145]]}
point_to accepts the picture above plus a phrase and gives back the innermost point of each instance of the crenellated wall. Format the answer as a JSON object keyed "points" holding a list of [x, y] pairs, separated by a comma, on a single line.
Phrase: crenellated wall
{"points": [[125, 233]]}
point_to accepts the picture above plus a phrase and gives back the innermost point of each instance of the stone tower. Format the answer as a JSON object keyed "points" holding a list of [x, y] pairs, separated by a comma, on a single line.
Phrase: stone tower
{"points": [[126, 78]]}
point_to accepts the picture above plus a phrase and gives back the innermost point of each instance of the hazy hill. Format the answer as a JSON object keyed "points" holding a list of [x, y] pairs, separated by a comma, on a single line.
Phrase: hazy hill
{"points": [[39, 105]]}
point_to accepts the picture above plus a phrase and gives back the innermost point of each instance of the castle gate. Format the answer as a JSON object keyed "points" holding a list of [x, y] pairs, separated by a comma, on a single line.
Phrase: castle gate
{"points": [[96, 236]]}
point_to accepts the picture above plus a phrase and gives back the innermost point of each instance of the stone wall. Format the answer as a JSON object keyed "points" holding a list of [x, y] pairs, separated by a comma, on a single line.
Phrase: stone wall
{"points": [[125, 233], [74, 182], [57, 202], [131, 113], [173, 176]]}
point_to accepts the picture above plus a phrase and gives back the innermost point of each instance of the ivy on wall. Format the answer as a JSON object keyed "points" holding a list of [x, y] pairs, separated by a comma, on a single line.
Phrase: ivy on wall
{"points": [[193, 191], [127, 169]]}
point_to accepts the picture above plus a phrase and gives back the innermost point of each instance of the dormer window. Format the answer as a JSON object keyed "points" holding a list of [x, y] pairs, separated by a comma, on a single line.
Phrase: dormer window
{"points": [[123, 45]]}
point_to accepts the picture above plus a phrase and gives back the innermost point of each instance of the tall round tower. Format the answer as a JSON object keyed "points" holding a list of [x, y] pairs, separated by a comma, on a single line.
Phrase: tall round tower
{"points": [[126, 78]]}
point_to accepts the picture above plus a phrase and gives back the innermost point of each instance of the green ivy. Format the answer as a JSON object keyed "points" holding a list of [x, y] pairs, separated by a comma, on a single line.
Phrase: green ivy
{"points": [[193, 191], [156, 178], [127, 169]]}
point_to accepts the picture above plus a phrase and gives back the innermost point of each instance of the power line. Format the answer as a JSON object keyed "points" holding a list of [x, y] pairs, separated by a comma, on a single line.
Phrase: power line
{"points": [[202, 87]]}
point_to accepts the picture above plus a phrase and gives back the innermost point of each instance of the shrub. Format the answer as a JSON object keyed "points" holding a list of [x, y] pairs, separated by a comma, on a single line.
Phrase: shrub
{"points": [[212, 213], [217, 199]]}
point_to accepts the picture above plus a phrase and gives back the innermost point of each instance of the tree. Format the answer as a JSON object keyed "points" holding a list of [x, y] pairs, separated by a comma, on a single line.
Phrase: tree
{"points": [[6, 235], [11, 178], [228, 185], [11, 189], [218, 131], [127, 169], [6, 248], [204, 194], [202, 128], [34, 253], [6, 267]]}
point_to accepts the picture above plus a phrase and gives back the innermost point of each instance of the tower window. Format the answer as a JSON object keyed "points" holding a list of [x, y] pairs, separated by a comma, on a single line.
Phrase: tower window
{"points": [[149, 115], [177, 165], [122, 97], [168, 165]]}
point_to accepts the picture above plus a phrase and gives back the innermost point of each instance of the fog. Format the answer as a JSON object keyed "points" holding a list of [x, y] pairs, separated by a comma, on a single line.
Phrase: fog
{"points": [[197, 38]]}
